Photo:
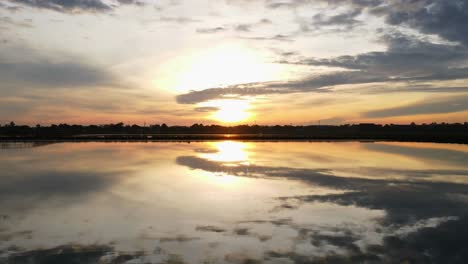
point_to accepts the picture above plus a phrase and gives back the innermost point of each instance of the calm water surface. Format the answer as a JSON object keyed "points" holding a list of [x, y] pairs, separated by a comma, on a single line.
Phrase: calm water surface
{"points": [[233, 202]]}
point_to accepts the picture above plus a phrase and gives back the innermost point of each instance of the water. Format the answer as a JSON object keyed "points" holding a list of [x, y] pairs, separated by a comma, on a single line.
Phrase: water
{"points": [[233, 202]]}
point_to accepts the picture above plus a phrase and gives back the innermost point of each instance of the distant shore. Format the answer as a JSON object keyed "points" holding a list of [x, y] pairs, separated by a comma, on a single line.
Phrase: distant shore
{"points": [[437, 133], [459, 139]]}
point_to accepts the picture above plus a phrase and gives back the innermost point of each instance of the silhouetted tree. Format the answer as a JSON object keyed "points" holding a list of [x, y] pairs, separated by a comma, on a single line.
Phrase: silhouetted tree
{"points": [[164, 128]]}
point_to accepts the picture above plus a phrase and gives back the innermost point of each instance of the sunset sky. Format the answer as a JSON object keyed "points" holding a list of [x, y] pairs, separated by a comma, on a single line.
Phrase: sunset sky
{"points": [[233, 61]]}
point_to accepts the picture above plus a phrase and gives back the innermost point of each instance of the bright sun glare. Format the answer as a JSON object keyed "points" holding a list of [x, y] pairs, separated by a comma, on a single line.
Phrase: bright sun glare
{"points": [[218, 66], [230, 110]]}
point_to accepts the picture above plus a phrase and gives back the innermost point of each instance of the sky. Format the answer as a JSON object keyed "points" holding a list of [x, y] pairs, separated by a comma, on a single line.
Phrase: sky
{"points": [[232, 62]]}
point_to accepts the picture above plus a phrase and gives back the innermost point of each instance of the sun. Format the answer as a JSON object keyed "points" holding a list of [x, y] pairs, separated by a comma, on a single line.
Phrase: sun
{"points": [[230, 110]]}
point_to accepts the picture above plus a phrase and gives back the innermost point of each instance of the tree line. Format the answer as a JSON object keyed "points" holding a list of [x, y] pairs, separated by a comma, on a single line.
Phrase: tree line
{"points": [[359, 130]]}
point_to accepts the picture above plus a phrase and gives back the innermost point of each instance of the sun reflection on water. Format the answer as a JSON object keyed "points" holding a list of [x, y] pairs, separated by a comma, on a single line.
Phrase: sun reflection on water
{"points": [[229, 152]]}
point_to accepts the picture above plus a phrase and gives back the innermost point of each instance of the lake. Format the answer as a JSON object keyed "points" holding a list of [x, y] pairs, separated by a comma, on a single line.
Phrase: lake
{"points": [[233, 202]]}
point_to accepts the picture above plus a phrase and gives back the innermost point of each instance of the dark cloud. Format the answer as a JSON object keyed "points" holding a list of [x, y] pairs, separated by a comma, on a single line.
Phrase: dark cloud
{"points": [[423, 88], [248, 27], [312, 84], [448, 19], [76, 6], [273, 4], [131, 2], [67, 5], [405, 57], [210, 229], [243, 27], [50, 74], [211, 30], [265, 21], [206, 109], [25, 68], [179, 239], [347, 20], [86, 254], [213, 93], [11, 8], [346, 240], [432, 106]]}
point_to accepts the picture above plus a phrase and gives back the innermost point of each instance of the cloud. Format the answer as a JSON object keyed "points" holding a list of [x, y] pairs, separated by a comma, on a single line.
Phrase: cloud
{"points": [[213, 93], [76, 6], [179, 239], [277, 37], [274, 4], [347, 19], [24, 68], [12, 9], [316, 83], [448, 19], [422, 88], [407, 59], [248, 27], [67, 6], [434, 106], [210, 229], [75, 254], [179, 19], [211, 30], [8, 21], [50, 75], [243, 27], [131, 2], [206, 109]]}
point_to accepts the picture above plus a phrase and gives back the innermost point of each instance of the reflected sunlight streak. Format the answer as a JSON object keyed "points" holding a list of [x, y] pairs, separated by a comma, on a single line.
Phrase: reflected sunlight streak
{"points": [[229, 151]]}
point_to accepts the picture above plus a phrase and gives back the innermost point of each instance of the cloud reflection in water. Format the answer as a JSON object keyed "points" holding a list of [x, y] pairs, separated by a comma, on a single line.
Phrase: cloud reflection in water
{"points": [[234, 202]]}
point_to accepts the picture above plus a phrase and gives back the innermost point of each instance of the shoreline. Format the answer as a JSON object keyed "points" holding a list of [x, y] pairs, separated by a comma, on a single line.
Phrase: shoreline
{"points": [[239, 137]]}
